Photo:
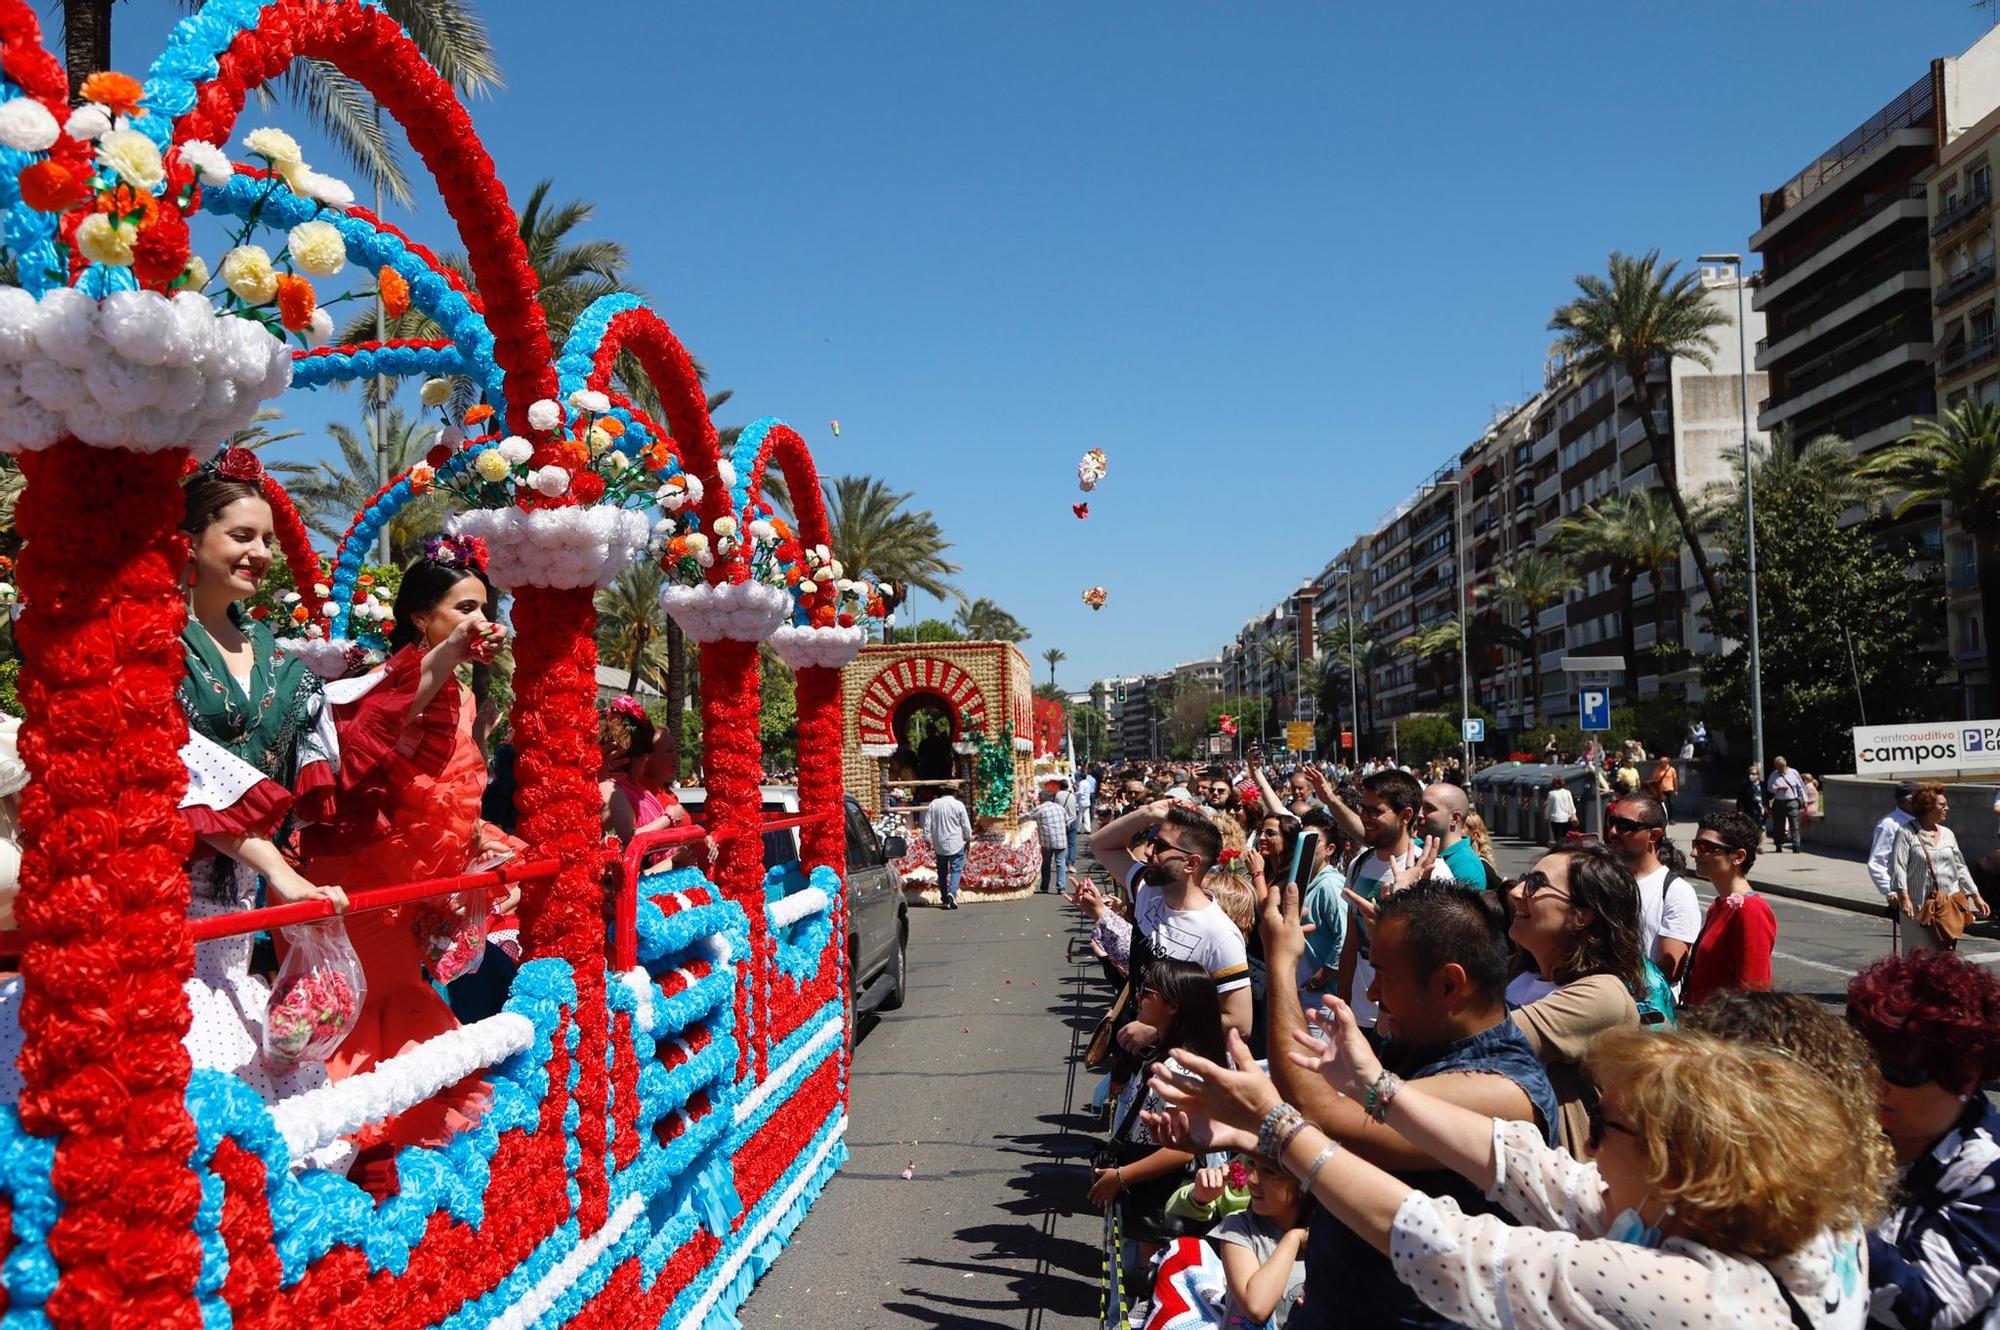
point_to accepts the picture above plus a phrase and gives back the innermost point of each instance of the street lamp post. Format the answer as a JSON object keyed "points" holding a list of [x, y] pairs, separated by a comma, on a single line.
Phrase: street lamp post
{"points": [[1353, 668], [1735, 264], [1458, 578]]}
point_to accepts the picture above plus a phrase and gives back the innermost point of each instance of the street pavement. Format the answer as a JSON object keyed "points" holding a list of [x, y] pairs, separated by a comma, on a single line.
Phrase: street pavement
{"points": [[969, 1087]]}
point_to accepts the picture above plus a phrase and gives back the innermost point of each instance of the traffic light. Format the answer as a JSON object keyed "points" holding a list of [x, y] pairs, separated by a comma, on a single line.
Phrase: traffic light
{"points": [[1121, 692]]}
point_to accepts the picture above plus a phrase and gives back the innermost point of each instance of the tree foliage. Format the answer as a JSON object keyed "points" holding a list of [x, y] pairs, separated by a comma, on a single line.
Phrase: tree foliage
{"points": [[1821, 586], [982, 620]]}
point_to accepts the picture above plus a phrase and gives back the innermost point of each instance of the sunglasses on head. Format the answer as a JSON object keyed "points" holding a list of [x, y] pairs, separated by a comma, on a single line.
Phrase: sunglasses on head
{"points": [[1600, 1123]]}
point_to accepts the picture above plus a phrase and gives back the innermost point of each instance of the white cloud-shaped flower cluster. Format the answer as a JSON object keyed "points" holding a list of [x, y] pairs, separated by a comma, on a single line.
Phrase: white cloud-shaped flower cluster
{"points": [[135, 370], [324, 656], [563, 548], [735, 611], [317, 1117], [828, 648]]}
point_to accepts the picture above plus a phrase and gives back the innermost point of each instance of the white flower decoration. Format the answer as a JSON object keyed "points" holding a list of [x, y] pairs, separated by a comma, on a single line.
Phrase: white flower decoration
{"points": [[435, 392], [27, 126], [544, 414], [321, 188], [515, 449], [88, 122], [210, 163], [587, 399], [319, 332], [724, 526], [274, 145], [548, 480], [134, 157], [106, 240], [319, 251]]}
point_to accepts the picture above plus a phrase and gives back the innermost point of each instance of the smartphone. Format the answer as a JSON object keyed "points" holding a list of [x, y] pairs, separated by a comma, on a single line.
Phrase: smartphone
{"points": [[1302, 857]]}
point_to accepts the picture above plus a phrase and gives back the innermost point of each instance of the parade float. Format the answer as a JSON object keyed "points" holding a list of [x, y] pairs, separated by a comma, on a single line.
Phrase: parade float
{"points": [[920, 718], [668, 1076]]}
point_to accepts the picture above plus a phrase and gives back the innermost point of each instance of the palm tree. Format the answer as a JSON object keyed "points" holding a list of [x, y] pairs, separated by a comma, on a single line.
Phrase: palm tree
{"points": [[1054, 656], [631, 627], [1644, 314], [328, 495], [1534, 580], [1347, 649], [1954, 459], [1277, 653], [877, 537], [984, 621], [448, 32], [1634, 532]]}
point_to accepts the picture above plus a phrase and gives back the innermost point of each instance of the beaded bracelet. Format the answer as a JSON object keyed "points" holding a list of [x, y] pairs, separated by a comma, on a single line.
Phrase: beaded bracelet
{"points": [[1282, 1117], [1285, 1142], [1380, 1093]]}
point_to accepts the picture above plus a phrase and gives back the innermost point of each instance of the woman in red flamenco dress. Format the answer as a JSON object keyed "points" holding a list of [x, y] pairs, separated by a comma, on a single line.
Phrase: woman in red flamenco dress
{"points": [[406, 807]]}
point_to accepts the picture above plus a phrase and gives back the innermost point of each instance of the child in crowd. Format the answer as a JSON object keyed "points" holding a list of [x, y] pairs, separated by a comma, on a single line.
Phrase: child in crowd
{"points": [[1261, 1248]]}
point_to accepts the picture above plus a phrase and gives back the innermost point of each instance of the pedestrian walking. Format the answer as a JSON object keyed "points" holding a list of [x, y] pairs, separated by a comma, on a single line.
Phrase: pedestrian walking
{"points": [[1928, 878], [1750, 798], [1559, 807], [948, 827], [1067, 798], [1665, 783], [1086, 801], [1788, 796], [1053, 824]]}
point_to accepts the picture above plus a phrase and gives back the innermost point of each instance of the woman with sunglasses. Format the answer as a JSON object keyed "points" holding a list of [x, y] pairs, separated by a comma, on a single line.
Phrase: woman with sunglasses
{"points": [[1576, 916], [1132, 1171], [1733, 949], [1681, 1218], [1934, 1021]]}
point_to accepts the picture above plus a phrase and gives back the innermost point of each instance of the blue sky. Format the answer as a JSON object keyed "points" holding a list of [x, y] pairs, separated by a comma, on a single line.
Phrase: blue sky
{"points": [[1278, 261]]}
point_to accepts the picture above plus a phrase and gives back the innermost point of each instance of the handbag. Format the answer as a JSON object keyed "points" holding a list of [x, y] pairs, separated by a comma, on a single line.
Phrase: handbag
{"points": [[1103, 1043], [1945, 915]]}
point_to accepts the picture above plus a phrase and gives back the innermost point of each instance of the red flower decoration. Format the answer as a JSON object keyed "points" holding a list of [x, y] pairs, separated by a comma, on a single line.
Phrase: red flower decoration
{"points": [[239, 464], [1080, 509]]}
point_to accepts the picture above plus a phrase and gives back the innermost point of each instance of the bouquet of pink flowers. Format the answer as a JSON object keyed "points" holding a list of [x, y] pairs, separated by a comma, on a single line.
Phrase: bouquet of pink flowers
{"points": [[317, 996], [453, 935]]}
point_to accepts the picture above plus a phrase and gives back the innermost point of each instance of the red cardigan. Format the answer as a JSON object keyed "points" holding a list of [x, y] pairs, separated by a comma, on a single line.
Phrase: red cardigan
{"points": [[1734, 949]]}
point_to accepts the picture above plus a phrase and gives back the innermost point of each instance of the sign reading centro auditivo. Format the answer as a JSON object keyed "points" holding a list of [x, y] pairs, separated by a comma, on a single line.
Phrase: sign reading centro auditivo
{"points": [[1881, 750]]}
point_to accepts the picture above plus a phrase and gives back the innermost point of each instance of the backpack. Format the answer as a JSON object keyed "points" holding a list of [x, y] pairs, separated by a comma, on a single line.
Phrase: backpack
{"points": [[1654, 997]]}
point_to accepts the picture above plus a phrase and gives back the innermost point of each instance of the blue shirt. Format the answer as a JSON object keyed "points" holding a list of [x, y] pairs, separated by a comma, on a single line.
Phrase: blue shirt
{"points": [[1324, 906], [1463, 863], [1942, 1241], [1348, 1283]]}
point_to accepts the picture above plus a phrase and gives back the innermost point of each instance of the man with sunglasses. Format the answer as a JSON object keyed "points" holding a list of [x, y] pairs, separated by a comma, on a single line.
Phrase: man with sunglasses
{"points": [[1669, 910], [1171, 914]]}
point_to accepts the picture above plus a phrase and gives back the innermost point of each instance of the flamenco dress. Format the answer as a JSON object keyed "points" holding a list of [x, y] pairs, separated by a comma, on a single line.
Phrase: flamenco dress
{"points": [[406, 808]]}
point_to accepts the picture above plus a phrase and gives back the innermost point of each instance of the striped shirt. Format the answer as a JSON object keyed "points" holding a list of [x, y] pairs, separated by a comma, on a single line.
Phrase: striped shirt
{"points": [[1204, 935]]}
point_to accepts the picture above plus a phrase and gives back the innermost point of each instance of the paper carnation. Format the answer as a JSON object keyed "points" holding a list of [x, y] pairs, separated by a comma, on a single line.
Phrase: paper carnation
{"points": [[556, 547]]}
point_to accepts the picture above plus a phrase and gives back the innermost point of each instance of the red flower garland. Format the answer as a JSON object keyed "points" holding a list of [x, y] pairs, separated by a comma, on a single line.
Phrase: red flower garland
{"points": [[301, 559], [732, 760], [672, 370], [104, 889], [555, 738]]}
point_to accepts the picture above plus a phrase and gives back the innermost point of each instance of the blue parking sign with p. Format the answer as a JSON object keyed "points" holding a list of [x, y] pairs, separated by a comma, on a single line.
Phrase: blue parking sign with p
{"points": [[1594, 708]]}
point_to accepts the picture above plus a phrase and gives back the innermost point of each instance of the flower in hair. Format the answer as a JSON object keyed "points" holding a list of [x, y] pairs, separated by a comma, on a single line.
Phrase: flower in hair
{"points": [[628, 705], [463, 552], [238, 464]]}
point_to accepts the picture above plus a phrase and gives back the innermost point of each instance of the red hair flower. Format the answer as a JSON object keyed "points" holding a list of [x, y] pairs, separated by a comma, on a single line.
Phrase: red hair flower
{"points": [[50, 187], [238, 464]]}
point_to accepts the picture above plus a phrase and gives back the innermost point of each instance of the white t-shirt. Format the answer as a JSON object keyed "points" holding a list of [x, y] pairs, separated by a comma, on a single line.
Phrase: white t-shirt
{"points": [[1560, 806], [1371, 873], [1204, 935], [1668, 907]]}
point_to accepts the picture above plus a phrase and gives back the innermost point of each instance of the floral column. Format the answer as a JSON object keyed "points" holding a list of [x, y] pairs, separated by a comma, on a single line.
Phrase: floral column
{"points": [[554, 560], [89, 405]]}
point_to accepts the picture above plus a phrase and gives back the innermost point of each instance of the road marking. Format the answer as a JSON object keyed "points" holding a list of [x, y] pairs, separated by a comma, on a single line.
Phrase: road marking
{"points": [[1976, 957]]}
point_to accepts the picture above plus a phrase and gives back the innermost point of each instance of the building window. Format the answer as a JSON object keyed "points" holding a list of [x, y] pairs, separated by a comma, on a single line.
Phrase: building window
{"points": [[1981, 321], [1978, 180]]}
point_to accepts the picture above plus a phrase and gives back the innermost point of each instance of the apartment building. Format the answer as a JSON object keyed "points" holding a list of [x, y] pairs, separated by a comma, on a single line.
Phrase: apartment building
{"points": [[1963, 230], [1849, 294]]}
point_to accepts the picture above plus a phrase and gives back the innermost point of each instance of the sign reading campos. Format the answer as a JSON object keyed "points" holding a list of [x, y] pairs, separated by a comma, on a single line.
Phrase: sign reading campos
{"points": [[1942, 746]]}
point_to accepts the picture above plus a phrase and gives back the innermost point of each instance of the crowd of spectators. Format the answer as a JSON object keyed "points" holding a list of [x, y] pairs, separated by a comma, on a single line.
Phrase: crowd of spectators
{"points": [[1353, 1077]]}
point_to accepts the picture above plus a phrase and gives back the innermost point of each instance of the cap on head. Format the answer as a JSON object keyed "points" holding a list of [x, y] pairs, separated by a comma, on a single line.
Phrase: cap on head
{"points": [[1904, 789]]}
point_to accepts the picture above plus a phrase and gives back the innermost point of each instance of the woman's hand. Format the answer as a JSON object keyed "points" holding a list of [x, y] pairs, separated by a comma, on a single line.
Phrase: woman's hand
{"points": [[1979, 906], [1256, 863], [1105, 1184], [1231, 1098], [1343, 1058], [1088, 899], [1196, 1134], [1209, 1184], [1137, 1036], [291, 888]]}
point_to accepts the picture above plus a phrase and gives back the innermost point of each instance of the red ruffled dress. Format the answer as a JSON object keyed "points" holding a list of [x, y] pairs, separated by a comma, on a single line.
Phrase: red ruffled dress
{"points": [[406, 807]]}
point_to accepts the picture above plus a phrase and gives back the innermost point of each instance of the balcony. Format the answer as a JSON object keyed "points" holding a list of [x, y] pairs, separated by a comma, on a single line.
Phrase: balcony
{"points": [[1968, 355], [1548, 488], [1960, 210], [1958, 288], [1896, 208], [1553, 660], [1964, 576]]}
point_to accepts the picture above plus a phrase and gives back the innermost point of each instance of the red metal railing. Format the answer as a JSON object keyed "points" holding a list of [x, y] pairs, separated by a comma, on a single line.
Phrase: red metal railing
{"points": [[625, 863]]}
